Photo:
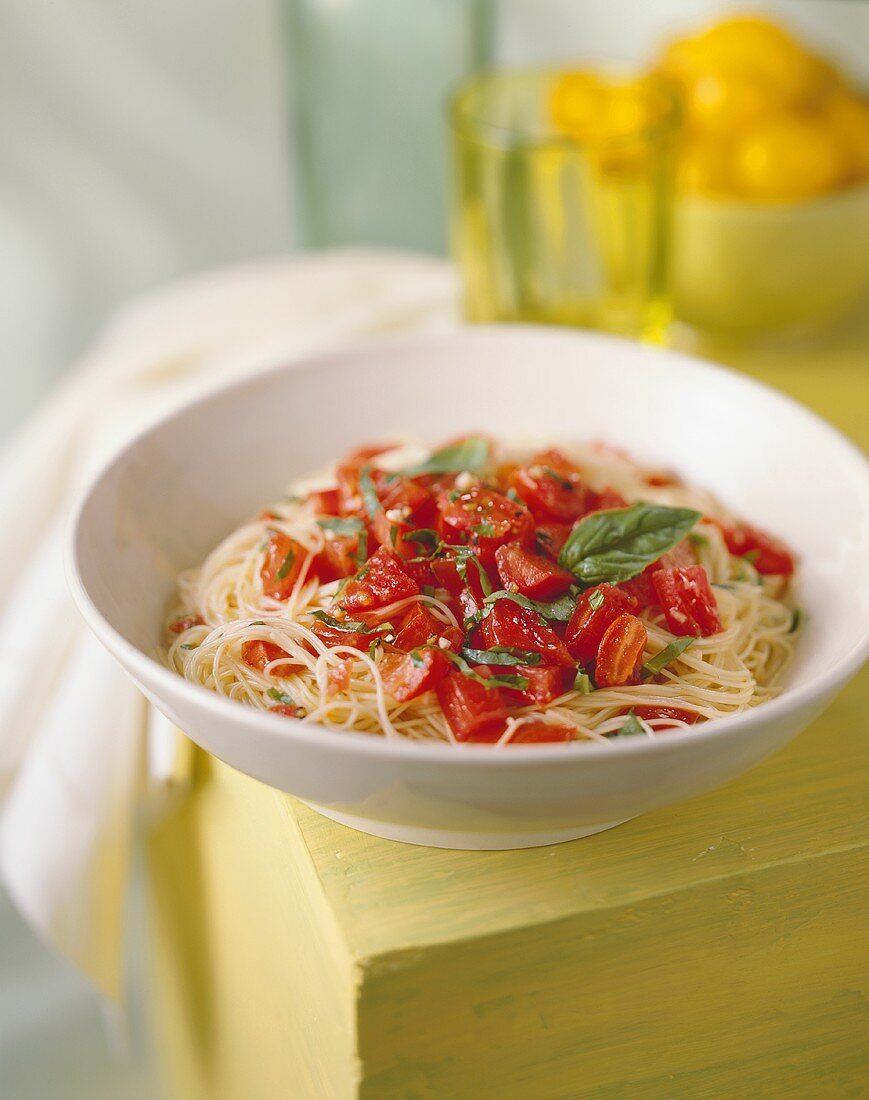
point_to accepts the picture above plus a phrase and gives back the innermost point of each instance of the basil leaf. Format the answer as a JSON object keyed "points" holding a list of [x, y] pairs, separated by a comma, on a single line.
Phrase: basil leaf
{"points": [[369, 493], [348, 625], [796, 619], [286, 565], [416, 658], [560, 610], [469, 455], [583, 683], [465, 554], [347, 526], [669, 653], [423, 535], [393, 534], [484, 530], [595, 600], [518, 682], [619, 543], [281, 697], [361, 548], [631, 728], [502, 655]]}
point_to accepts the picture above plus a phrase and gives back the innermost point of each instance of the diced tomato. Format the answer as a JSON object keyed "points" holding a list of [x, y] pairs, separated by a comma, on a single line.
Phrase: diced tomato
{"points": [[552, 487], [661, 479], [538, 733], [406, 675], [531, 575], [687, 600], [185, 623], [588, 623], [484, 520], [412, 499], [347, 475], [545, 683], [268, 516], [420, 626], [641, 588], [647, 711], [257, 654], [338, 676], [337, 559], [381, 582], [332, 636], [474, 712], [325, 502], [682, 556], [620, 652], [769, 555], [508, 624], [282, 565], [289, 710], [550, 537], [608, 498]]}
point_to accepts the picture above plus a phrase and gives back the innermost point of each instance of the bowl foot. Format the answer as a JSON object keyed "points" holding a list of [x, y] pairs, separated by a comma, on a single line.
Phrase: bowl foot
{"points": [[459, 839]]}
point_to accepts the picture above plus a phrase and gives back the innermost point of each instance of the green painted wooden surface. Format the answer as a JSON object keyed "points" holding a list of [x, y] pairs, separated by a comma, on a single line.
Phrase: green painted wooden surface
{"points": [[713, 949]]}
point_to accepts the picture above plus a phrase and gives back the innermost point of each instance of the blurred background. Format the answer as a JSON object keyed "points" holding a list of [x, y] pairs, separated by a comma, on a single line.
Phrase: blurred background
{"points": [[143, 142]]}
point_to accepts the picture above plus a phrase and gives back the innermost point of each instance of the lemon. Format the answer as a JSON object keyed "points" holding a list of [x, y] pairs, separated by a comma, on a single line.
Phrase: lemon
{"points": [[788, 158], [723, 102], [703, 168], [848, 117]]}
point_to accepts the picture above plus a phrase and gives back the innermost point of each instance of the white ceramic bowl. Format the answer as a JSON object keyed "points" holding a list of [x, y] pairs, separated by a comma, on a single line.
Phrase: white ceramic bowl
{"points": [[164, 501]]}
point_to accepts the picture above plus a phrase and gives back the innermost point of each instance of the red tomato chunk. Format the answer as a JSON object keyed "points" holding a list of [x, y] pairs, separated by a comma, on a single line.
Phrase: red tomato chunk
{"points": [[538, 733], [687, 600], [484, 520], [531, 575], [647, 711], [545, 684], [595, 610], [552, 487], [474, 712], [283, 563], [381, 582], [420, 626], [768, 554], [515, 627], [406, 675], [620, 652], [257, 654]]}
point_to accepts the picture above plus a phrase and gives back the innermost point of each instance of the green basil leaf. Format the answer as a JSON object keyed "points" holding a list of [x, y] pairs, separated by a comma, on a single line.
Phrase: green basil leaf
{"points": [[348, 625], [286, 565], [465, 554], [281, 697], [595, 600], [631, 728], [619, 543], [423, 535], [796, 619], [583, 683], [361, 549], [369, 493], [502, 655], [669, 653], [518, 682], [469, 455], [560, 610], [416, 658], [347, 526], [484, 530]]}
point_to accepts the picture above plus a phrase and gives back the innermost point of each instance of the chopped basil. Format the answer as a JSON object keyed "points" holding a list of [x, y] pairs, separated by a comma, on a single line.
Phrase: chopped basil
{"points": [[631, 727], [502, 655], [369, 493], [511, 494], [595, 600], [796, 619], [696, 539], [286, 565], [362, 547], [416, 658], [257, 622], [619, 543], [518, 682], [582, 683], [348, 625], [669, 653], [465, 554], [372, 649], [484, 530], [425, 536], [560, 610], [187, 645], [558, 478], [281, 697], [393, 534], [751, 556], [351, 525], [469, 455]]}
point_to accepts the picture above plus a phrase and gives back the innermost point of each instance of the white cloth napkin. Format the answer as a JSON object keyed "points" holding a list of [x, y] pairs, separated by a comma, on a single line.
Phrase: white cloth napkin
{"points": [[78, 746]]}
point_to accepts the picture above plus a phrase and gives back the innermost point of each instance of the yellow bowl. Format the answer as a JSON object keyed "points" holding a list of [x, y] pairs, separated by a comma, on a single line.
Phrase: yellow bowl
{"points": [[746, 269]]}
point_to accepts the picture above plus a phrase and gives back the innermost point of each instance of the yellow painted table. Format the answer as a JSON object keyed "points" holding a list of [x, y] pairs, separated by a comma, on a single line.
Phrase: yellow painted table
{"points": [[715, 949]]}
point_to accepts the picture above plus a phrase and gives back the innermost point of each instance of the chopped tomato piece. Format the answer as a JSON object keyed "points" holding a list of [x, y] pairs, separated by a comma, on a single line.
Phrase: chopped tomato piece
{"points": [[515, 627], [647, 711], [325, 502], [687, 600], [185, 623], [620, 652], [538, 733], [552, 487], [337, 559], [484, 520], [527, 573], [682, 556], [257, 654], [608, 498], [338, 676], [282, 565], [595, 610], [550, 537], [381, 582], [641, 589], [420, 626], [347, 475], [332, 636], [661, 479], [474, 712], [545, 683], [768, 554], [413, 500], [289, 710], [406, 675]]}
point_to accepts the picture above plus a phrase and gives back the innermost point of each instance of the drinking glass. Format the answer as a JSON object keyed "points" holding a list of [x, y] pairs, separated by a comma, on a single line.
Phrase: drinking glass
{"points": [[566, 224]]}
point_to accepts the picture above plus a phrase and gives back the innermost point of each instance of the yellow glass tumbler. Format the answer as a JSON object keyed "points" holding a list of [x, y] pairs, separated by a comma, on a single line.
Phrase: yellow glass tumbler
{"points": [[562, 190]]}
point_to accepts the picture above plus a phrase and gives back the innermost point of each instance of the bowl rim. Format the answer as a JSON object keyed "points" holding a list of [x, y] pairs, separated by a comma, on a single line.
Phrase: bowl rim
{"points": [[279, 728]]}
